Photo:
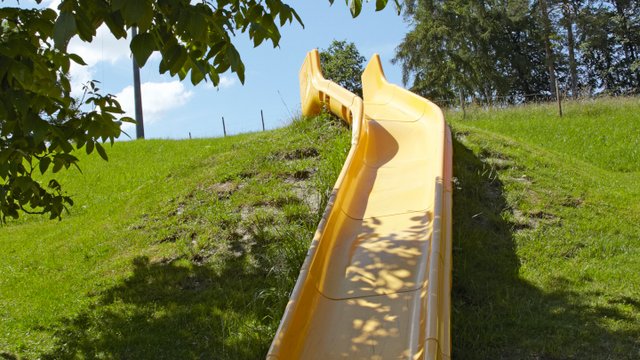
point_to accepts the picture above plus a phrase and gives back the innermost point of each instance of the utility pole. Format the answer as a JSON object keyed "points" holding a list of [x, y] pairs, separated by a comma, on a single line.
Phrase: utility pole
{"points": [[137, 93]]}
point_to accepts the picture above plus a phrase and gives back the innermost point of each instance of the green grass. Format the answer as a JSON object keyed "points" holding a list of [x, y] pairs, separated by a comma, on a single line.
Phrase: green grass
{"points": [[174, 249], [603, 132], [547, 232], [188, 249]]}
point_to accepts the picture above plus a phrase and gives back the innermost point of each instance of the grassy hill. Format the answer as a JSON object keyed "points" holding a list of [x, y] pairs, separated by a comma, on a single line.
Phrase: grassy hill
{"points": [[547, 232], [174, 249], [188, 249]]}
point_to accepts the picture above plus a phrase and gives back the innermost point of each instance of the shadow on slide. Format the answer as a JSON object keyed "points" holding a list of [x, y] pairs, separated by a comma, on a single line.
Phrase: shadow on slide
{"points": [[377, 278]]}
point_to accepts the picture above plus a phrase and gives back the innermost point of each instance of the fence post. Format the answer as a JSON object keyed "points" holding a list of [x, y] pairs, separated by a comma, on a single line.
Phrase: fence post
{"points": [[559, 100], [262, 117], [464, 112], [224, 128]]}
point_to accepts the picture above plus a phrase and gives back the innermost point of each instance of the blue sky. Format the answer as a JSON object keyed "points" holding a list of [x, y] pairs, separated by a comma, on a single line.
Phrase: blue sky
{"points": [[172, 108]]}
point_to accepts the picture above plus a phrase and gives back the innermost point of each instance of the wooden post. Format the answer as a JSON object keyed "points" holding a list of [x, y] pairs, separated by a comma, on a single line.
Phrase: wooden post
{"points": [[262, 116], [464, 113], [224, 128], [559, 100]]}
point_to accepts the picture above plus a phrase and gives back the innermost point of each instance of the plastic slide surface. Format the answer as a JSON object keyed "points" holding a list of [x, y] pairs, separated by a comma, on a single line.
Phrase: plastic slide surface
{"points": [[377, 278]]}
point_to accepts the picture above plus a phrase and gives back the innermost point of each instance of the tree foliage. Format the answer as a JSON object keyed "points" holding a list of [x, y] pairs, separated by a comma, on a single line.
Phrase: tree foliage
{"points": [[42, 125], [511, 50], [343, 64]]}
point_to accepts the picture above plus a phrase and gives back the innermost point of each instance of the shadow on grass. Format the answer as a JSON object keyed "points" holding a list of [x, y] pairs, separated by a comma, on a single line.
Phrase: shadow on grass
{"points": [[498, 315], [179, 310], [173, 311]]}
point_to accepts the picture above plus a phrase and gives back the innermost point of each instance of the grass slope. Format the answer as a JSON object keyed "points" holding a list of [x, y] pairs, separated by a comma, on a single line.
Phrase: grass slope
{"points": [[547, 232], [188, 249], [174, 249]]}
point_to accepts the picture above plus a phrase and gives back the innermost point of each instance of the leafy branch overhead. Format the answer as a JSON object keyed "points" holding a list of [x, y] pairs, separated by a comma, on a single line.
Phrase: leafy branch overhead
{"points": [[192, 38], [42, 125]]}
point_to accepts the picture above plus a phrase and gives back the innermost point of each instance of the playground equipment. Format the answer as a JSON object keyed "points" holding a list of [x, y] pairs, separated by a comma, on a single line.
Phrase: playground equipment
{"points": [[377, 278]]}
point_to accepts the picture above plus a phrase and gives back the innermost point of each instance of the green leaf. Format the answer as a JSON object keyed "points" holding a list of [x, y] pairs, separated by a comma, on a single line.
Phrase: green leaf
{"points": [[64, 30], [89, 147], [197, 26], [44, 164], [133, 11], [57, 165], [355, 7], [215, 49], [77, 59], [177, 59], [298, 18], [381, 4], [113, 109], [233, 58], [85, 28], [214, 76], [22, 73], [53, 184], [103, 154], [142, 46], [197, 73], [182, 73], [144, 23], [295, 14], [118, 4], [115, 23]]}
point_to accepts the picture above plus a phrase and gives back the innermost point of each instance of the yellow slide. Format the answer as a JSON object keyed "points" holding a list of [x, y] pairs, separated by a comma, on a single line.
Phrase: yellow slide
{"points": [[377, 279]]}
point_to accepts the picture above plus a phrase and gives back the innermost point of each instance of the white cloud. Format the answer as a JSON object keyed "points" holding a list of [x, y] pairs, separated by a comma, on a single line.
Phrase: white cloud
{"points": [[155, 56], [103, 47], [52, 4], [157, 99], [80, 75], [226, 81]]}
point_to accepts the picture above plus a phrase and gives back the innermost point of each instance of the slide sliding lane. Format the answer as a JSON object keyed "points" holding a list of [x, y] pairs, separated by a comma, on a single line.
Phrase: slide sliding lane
{"points": [[376, 282]]}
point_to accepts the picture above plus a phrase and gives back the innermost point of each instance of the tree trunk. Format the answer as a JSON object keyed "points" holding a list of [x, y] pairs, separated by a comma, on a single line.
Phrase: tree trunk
{"points": [[573, 73], [628, 44], [626, 47], [546, 29]]}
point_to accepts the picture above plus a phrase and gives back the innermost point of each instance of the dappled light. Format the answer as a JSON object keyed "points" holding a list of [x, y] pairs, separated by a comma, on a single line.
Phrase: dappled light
{"points": [[375, 284]]}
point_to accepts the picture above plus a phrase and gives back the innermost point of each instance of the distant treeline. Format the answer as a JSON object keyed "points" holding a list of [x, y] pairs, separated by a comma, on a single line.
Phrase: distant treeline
{"points": [[515, 50]]}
